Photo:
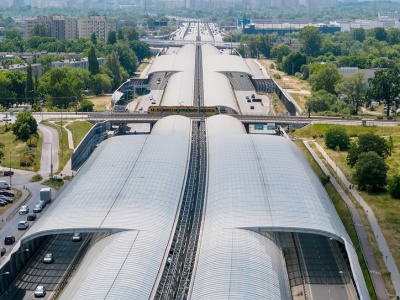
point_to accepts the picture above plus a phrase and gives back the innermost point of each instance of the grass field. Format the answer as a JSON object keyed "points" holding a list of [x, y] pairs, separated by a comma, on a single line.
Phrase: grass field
{"points": [[18, 149], [79, 129], [386, 209], [101, 103]]}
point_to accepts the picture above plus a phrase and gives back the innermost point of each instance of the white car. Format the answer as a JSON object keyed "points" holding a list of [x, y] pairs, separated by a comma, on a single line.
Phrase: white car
{"points": [[24, 210], [153, 102], [40, 291], [48, 258], [76, 237], [22, 225], [6, 119]]}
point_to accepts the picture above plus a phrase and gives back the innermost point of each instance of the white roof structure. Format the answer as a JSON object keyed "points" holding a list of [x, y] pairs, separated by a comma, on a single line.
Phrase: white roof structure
{"points": [[131, 186], [258, 185], [182, 60]]}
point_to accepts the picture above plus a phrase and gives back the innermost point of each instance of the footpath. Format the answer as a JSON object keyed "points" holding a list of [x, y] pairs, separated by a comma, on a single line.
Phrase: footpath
{"points": [[376, 277]]}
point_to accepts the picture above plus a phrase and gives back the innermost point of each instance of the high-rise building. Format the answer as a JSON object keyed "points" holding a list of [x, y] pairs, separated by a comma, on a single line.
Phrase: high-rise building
{"points": [[59, 27], [100, 25]]}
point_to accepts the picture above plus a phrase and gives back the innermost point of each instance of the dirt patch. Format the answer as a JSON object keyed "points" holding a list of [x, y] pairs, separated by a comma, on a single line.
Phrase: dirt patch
{"points": [[101, 102]]}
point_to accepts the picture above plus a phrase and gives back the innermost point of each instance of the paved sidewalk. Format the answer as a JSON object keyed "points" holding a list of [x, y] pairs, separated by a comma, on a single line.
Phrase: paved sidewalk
{"points": [[70, 138], [376, 277], [380, 239]]}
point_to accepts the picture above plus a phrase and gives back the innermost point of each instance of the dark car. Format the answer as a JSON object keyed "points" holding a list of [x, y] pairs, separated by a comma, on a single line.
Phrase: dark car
{"points": [[38, 208], [3, 202], [6, 193], [252, 107], [253, 96], [42, 203], [7, 199], [9, 240], [2, 251], [31, 217], [8, 173]]}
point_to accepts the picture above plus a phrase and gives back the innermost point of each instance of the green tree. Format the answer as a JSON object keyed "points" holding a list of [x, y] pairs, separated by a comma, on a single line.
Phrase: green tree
{"points": [[86, 105], [371, 172], [129, 33], [92, 61], [141, 49], [100, 83], [292, 63], [337, 136], [325, 77], [93, 38], [394, 187], [320, 101], [379, 33], [7, 96], [112, 63], [385, 86], [127, 57], [39, 30], [17, 80], [25, 125], [359, 34], [354, 88], [311, 39], [112, 37], [280, 52], [29, 89]]}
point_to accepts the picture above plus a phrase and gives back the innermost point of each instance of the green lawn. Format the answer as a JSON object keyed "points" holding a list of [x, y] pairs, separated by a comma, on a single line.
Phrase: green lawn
{"points": [[79, 129], [18, 149]]}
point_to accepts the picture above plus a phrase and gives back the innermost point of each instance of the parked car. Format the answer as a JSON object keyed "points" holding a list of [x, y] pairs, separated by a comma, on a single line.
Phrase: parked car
{"points": [[3, 202], [253, 96], [7, 193], [76, 237], [6, 119], [48, 258], [24, 210], [22, 225], [38, 208], [40, 291], [9, 240], [3, 251], [31, 217], [7, 199], [252, 107], [8, 173]]}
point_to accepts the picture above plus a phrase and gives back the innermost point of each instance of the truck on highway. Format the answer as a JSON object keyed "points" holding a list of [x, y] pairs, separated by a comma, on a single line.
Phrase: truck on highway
{"points": [[45, 194]]}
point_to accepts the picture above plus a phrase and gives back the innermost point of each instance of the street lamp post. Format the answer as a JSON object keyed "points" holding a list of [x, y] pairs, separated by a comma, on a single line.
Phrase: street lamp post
{"points": [[51, 159], [10, 168]]}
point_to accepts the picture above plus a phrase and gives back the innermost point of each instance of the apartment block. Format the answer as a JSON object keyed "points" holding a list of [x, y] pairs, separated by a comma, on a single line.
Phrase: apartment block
{"points": [[59, 27], [36, 68], [76, 63], [100, 25]]}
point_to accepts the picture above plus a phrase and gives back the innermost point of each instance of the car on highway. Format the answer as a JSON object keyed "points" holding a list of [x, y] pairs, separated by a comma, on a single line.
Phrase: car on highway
{"points": [[31, 217], [9, 240], [140, 108], [153, 101], [22, 225], [76, 237], [40, 291], [7, 193], [2, 251], [24, 210], [169, 260], [42, 203], [38, 208], [6, 119], [48, 258]]}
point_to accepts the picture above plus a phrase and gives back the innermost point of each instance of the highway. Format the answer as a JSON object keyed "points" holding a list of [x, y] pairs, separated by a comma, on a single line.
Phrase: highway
{"points": [[49, 275]]}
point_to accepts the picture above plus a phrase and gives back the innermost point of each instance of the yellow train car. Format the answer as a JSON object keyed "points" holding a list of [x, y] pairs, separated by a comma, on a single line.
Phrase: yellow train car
{"points": [[183, 110]]}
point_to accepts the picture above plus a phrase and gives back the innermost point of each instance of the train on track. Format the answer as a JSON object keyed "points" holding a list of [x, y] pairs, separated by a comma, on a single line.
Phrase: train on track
{"points": [[184, 110]]}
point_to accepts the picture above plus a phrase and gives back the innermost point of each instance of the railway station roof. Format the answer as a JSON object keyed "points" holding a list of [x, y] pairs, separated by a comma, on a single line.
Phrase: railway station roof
{"points": [[258, 185], [181, 60], [179, 90], [130, 186]]}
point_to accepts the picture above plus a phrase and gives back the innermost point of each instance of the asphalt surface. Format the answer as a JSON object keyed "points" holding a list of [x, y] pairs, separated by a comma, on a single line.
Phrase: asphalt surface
{"points": [[50, 150], [49, 275]]}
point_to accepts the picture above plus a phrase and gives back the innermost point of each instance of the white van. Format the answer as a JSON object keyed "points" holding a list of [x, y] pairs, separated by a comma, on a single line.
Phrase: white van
{"points": [[4, 185]]}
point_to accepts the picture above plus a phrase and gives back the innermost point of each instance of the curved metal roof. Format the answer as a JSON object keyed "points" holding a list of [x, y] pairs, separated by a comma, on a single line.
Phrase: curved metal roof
{"points": [[213, 60], [258, 183], [182, 60], [179, 90], [131, 186]]}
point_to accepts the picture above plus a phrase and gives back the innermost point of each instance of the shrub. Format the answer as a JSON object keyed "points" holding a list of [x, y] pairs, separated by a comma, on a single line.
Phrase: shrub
{"points": [[272, 66], [379, 117], [277, 76], [394, 187], [324, 179], [36, 178], [371, 172], [27, 159], [33, 140], [337, 137]]}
